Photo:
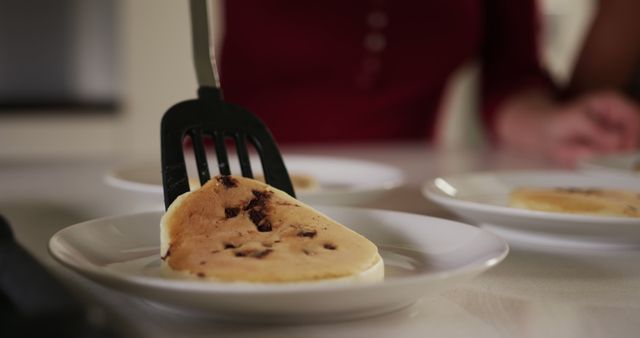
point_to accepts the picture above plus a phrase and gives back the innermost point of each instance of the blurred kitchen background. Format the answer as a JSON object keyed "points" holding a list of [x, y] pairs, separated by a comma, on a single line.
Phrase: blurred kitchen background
{"points": [[93, 77]]}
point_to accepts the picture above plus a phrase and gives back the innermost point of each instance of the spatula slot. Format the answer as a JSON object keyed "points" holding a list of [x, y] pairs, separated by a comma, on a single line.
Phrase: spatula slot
{"points": [[190, 166], [221, 153], [242, 147], [199, 151]]}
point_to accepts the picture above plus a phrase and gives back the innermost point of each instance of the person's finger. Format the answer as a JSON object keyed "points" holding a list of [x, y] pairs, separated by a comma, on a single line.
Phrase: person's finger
{"points": [[569, 154], [604, 117], [582, 129], [632, 126], [617, 114]]}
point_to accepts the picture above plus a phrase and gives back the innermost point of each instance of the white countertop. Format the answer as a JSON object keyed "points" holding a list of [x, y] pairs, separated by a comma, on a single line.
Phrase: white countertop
{"points": [[530, 294]]}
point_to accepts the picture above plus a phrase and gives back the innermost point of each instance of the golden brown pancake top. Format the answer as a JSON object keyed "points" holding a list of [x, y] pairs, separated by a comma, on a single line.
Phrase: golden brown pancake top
{"points": [[239, 229]]}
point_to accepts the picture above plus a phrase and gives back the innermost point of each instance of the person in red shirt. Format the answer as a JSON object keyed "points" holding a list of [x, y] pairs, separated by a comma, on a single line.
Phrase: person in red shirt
{"points": [[374, 70]]}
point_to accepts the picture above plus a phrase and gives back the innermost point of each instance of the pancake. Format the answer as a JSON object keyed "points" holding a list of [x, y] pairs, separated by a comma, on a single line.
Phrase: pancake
{"points": [[590, 201], [239, 229], [301, 182]]}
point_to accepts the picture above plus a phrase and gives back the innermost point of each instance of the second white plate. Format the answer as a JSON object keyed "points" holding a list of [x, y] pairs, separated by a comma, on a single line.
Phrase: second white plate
{"points": [[482, 198], [341, 181], [613, 165]]}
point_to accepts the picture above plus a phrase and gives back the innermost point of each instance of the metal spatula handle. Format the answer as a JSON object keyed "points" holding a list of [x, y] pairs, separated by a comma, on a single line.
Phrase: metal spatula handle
{"points": [[210, 116], [203, 47]]}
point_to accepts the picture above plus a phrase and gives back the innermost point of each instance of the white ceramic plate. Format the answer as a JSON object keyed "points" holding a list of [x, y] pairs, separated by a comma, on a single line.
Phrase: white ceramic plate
{"points": [[422, 255], [341, 181], [623, 164], [482, 198]]}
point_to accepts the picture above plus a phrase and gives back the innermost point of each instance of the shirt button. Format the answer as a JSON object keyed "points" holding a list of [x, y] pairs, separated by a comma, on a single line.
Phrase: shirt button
{"points": [[371, 65], [377, 20], [375, 42]]}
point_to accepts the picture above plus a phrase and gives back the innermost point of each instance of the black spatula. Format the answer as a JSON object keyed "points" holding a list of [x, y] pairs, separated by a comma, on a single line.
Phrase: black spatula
{"points": [[210, 116]]}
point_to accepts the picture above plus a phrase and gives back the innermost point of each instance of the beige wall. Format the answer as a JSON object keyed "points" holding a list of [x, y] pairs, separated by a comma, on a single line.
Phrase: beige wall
{"points": [[155, 62], [156, 72]]}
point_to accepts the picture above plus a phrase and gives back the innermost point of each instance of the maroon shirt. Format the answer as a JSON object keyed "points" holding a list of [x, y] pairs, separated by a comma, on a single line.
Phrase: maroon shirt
{"points": [[335, 70]]}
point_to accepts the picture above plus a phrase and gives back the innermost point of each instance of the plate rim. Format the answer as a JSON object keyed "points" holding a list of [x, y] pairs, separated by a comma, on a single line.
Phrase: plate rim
{"points": [[594, 164], [112, 178], [429, 190], [186, 285]]}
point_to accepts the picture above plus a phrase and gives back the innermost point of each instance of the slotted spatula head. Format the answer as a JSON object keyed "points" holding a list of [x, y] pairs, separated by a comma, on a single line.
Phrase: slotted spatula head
{"points": [[210, 116]]}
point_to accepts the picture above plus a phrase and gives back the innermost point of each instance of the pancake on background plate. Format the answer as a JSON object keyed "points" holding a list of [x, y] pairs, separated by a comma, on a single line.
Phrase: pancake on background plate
{"points": [[590, 201], [236, 229], [301, 182]]}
